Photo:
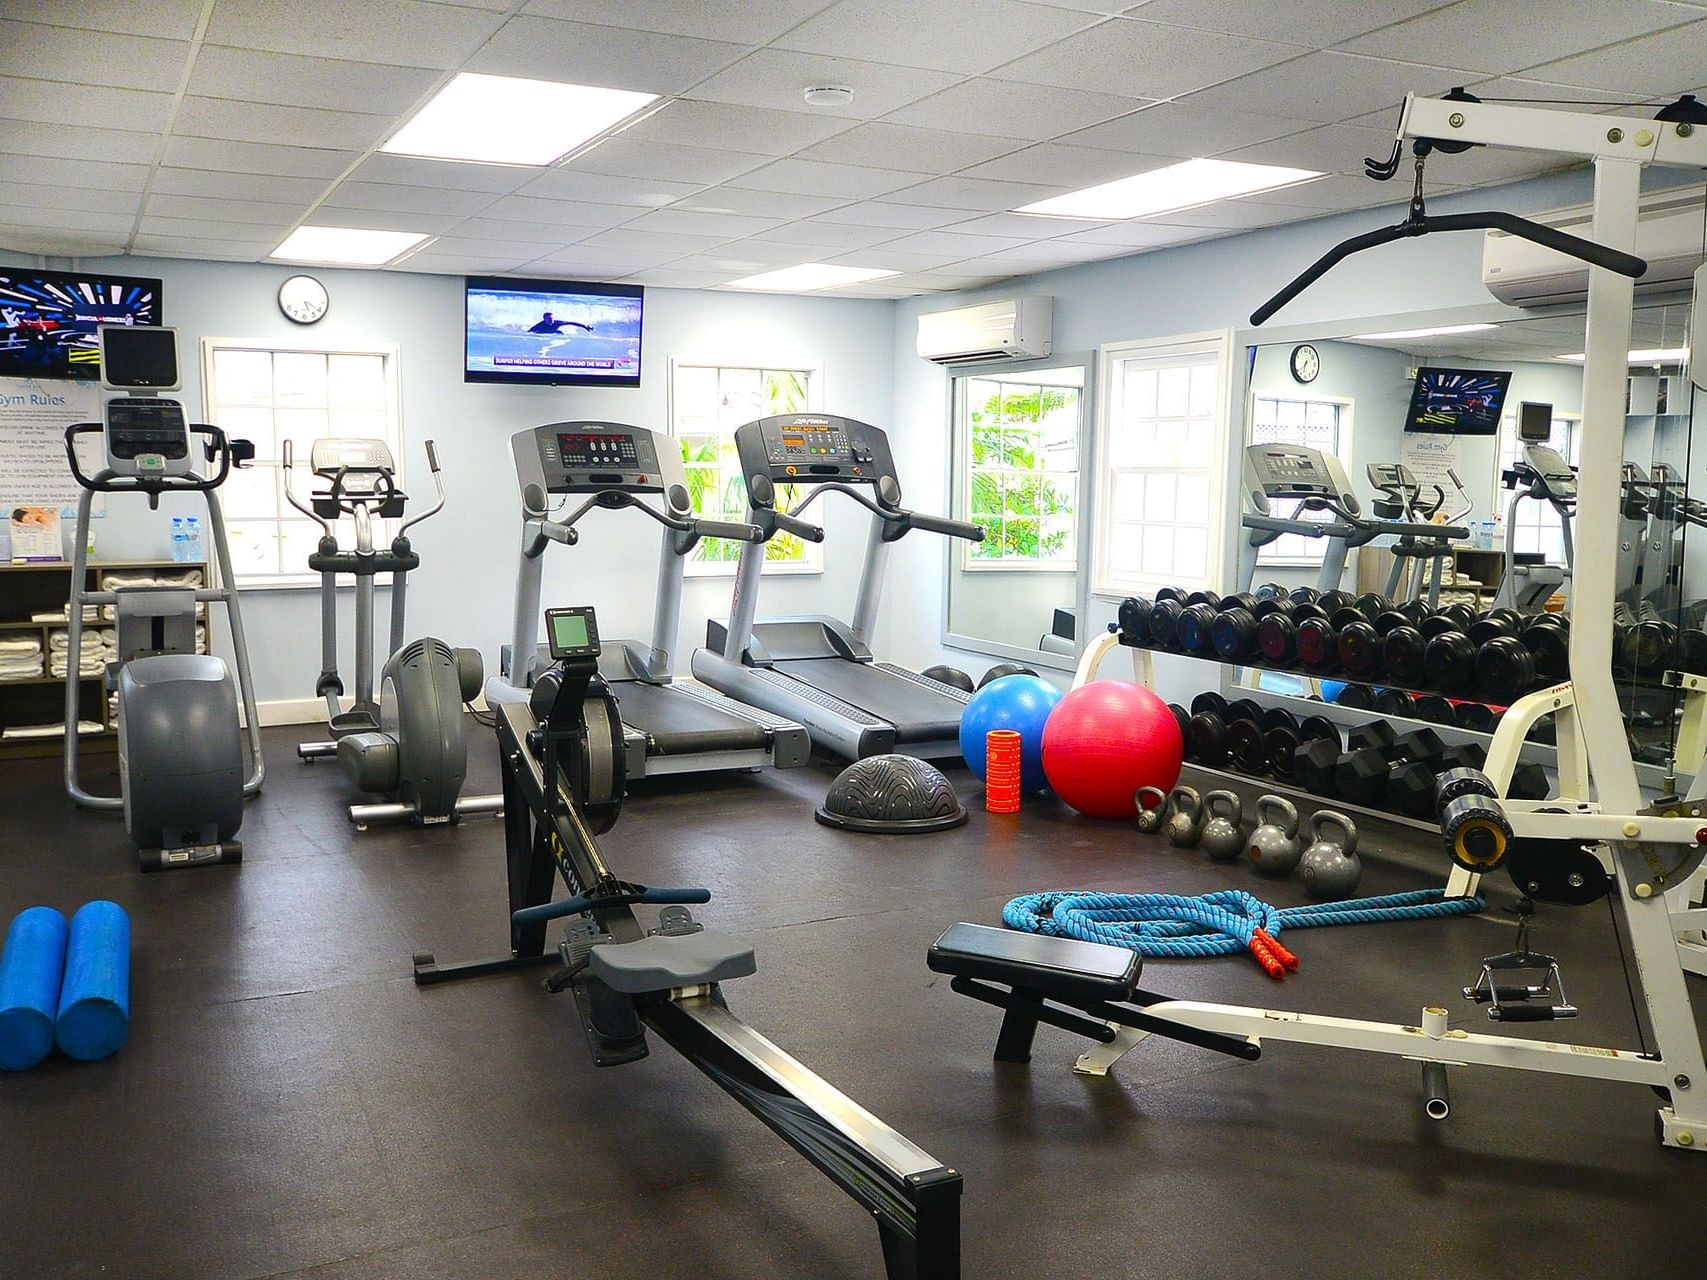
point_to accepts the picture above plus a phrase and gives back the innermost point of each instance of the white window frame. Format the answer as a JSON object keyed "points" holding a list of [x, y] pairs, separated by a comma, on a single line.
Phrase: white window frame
{"points": [[1538, 520], [383, 531], [962, 433], [1315, 550], [813, 561], [1216, 344]]}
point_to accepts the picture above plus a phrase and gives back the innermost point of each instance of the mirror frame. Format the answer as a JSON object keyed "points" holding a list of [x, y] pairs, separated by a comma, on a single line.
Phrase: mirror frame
{"points": [[952, 639]]}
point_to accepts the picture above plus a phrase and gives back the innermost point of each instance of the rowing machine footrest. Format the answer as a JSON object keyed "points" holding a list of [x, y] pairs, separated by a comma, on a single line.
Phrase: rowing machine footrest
{"points": [[1063, 968], [663, 962]]}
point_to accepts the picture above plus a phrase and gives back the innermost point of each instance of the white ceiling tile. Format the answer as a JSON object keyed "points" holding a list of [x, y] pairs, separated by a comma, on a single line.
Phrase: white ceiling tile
{"points": [[903, 217], [1523, 89], [745, 257], [58, 242], [750, 22], [808, 177], [210, 229], [614, 57], [457, 264], [197, 247], [39, 219], [51, 102], [266, 122], [950, 242], [381, 195], [1136, 235], [86, 199], [594, 261], [1319, 25], [236, 186], [899, 146], [981, 194], [729, 267], [1146, 60], [1230, 215], [404, 32], [940, 282], [166, 19], [1667, 63], [604, 188], [265, 212], [1505, 35], [671, 278], [1486, 166], [768, 206], [90, 57], [47, 171], [628, 157], [662, 242], [330, 84], [1328, 87], [1333, 148], [431, 224], [965, 36], [777, 78], [77, 142], [541, 234], [810, 233], [1058, 252], [1006, 108], [186, 152], [1057, 164], [413, 171], [724, 226], [546, 212], [1028, 226], [516, 251], [726, 126], [1184, 132], [885, 258], [1337, 191]]}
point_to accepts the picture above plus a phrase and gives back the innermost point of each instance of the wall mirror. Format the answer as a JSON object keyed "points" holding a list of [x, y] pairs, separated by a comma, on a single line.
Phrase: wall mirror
{"points": [[1017, 470]]}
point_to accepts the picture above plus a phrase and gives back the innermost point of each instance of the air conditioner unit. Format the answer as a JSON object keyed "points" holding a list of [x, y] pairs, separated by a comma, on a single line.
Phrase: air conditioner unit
{"points": [[1668, 236], [1017, 328]]}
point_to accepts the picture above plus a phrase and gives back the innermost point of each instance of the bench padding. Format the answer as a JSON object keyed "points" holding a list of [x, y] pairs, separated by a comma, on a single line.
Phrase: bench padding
{"points": [[1060, 967]]}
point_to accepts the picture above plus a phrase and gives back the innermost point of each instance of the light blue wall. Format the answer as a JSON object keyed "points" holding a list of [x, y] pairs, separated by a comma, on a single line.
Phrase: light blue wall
{"points": [[464, 588]]}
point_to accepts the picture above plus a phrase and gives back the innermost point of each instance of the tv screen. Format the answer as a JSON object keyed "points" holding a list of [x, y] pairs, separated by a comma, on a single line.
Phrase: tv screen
{"points": [[48, 319], [553, 332], [1463, 402]]}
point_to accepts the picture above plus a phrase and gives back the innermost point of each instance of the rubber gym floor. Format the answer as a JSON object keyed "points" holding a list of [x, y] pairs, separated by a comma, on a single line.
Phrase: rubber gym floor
{"points": [[291, 1105]]}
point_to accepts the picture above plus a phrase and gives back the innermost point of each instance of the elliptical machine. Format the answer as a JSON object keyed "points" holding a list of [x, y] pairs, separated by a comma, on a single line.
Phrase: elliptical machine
{"points": [[409, 744], [1541, 475], [1417, 558], [182, 779]]}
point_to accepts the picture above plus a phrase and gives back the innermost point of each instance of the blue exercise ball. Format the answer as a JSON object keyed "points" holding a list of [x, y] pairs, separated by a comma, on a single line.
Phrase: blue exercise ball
{"points": [[1331, 690], [1018, 702]]}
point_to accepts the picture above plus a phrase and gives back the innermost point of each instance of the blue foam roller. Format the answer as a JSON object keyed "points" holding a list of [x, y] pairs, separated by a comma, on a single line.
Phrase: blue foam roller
{"points": [[94, 1006], [30, 971]]}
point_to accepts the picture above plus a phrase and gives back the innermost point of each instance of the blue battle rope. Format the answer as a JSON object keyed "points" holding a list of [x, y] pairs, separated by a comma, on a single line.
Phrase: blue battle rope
{"points": [[1226, 922]]}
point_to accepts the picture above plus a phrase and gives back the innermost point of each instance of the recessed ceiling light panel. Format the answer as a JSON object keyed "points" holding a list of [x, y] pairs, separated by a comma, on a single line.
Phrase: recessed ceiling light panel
{"points": [[509, 120], [1653, 355], [809, 277], [1168, 190], [1441, 331], [346, 246]]}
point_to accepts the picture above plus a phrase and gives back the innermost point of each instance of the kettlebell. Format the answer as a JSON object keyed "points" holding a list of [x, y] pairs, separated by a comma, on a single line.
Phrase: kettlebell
{"points": [[1185, 823], [1152, 804], [1329, 868], [1274, 847], [1221, 839]]}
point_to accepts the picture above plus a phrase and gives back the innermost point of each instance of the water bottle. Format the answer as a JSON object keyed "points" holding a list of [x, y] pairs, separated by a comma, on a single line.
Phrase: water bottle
{"points": [[180, 540], [193, 542]]}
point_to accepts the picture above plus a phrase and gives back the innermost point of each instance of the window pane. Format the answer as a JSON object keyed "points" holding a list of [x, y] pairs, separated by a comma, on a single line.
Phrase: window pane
{"points": [[695, 396], [299, 379], [252, 491], [254, 547], [1134, 444], [740, 397], [1159, 549], [1173, 393], [1203, 389], [301, 427], [1194, 492], [1140, 399], [785, 390], [357, 381], [253, 424], [1125, 548], [1128, 496], [1055, 539], [243, 377], [359, 422], [1191, 552], [1159, 497]]}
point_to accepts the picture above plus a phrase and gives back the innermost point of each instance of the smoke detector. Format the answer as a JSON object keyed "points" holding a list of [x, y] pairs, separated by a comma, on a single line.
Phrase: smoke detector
{"points": [[828, 95]]}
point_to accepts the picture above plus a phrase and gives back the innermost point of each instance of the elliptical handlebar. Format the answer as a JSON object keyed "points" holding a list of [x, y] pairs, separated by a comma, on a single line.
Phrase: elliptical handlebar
{"points": [[103, 482], [438, 487], [287, 459]]}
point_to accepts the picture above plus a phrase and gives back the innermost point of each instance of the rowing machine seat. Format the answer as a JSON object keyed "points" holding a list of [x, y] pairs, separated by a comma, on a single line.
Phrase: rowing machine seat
{"points": [[663, 962], [1060, 967]]}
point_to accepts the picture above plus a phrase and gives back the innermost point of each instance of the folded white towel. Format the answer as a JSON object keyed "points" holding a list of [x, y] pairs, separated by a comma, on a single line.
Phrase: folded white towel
{"points": [[56, 730], [20, 670], [20, 646]]}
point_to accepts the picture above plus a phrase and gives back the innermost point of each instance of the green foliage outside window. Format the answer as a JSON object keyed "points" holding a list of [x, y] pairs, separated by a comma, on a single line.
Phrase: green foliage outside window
{"points": [[1024, 472], [714, 472]]}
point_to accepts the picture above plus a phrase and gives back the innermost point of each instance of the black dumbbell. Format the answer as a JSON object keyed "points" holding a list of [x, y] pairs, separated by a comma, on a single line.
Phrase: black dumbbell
{"points": [[1415, 610], [1692, 651], [1433, 709], [1494, 624], [1192, 629], [1357, 697], [1374, 733], [1410, 787], [1332, 600], [1303, 595], [1207, 730], [1361, 776], [1271, 591], [1475, 716], [1182, 717], [1176, 594], [1204, 596], [1234, 634], [1246, 600], [1461, 615], [1313, 765], [1133, 619], [1316, 645], [1283, 742], [1449, 663], [1547, 636], [1357, 644], [1396, 702], [1246, 747], [1164, 621], [1373, 604]]}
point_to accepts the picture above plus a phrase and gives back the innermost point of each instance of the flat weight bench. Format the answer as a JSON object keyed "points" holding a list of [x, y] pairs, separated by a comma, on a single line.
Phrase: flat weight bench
{"points": [[1041, 973]]}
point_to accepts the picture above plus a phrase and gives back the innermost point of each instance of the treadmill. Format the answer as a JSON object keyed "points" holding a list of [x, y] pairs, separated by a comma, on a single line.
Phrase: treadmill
{"points": [[820, 670], [669, 727]]}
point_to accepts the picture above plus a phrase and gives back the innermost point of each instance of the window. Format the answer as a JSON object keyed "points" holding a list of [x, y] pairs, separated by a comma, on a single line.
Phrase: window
{"points": [[1161, 462], [1020, 434], [707, 403], [269, 395], [1537, 527], [1315, 424]]}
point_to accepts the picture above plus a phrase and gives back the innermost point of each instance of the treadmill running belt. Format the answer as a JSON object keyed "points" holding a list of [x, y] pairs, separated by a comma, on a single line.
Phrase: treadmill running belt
{"points": [[918, 714], [678, 724]]}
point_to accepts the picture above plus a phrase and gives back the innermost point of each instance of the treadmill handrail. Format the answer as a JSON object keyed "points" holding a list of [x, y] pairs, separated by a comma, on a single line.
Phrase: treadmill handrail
{"points": [[944, 525]]}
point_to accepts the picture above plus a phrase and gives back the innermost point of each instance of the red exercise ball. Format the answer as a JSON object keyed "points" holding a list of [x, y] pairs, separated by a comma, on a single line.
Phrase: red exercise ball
{"points": [[1106, 739]]}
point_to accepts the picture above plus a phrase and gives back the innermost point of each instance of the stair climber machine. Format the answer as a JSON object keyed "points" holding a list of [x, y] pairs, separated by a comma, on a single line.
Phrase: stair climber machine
{"points": [[1540, 476], [1280, 472], [184, 770], [820, 670], [669, 726], [564, 761], [410, 743], [1419, 561]]}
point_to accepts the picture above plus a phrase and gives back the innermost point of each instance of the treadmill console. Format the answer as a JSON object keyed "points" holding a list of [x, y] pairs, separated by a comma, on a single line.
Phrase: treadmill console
{"points": [[1553, 471], [146, 436], [811, 448], [590, 457], [1293, 471]]}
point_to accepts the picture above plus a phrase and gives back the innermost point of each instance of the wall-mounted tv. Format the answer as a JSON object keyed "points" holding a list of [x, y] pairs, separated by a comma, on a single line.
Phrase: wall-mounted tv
{"points": [[1461, 402], [48, 319], [552, 332]]}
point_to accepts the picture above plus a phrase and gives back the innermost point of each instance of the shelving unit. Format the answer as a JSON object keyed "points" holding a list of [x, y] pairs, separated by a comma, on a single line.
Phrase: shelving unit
{"points": [[26, 589]]}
